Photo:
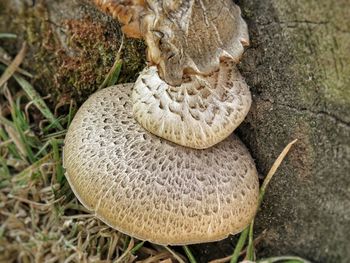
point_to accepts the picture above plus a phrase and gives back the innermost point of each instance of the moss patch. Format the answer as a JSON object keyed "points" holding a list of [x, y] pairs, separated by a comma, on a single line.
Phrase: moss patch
{"points": [[90, 55], [92, 52], [69, 56]]}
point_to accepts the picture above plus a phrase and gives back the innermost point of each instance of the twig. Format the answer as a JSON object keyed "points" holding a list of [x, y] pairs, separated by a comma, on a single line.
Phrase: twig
{"points": [[11, 69]]}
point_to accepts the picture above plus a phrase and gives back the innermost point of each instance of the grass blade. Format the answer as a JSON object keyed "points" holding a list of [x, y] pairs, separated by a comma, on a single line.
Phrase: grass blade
{"points": [[22, 128], [239, 245], [38, 101], [283, 259], [177, 257], [250, 247], [137, 247], [11, 147], [58, 163], [4, 170], [189, 254], [126, 252], [18, 139], [273, 170], [7, 35], [4, 60], [249, 229], [42, 150], [34, 167], [71, 113], [113, 74]]}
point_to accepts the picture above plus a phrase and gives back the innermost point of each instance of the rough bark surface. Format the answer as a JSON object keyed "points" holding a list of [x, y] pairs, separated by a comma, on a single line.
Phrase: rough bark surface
{"points": [[298, 68]]}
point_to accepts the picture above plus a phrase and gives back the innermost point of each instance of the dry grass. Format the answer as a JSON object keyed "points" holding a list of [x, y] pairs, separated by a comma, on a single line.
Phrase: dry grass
{"points": [[41, 220]]}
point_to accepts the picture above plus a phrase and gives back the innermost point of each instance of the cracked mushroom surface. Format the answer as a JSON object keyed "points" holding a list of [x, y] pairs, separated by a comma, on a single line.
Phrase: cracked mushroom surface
{"points": [[199, 113], [151, 188]]}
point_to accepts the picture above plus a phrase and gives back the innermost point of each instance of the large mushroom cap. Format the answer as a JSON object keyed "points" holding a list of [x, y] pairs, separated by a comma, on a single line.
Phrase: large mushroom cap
{"points": [[201, 112], [153, 189]]}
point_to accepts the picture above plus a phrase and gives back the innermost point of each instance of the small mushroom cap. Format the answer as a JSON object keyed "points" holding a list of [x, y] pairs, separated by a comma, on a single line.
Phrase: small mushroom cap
{"points": [[183, 36], [150, 188], [193, 36], [201, 112]]}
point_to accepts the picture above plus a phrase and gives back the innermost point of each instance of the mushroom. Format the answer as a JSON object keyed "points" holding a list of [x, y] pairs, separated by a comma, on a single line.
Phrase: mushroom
{"points": [[191, 93], [199, 113], [153, 189], [183, 36], [192, 36]]}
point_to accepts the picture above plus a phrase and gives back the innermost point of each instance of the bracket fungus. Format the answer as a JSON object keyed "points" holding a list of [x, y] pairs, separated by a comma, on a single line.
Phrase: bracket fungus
{"points": [[191, 93], [151, 188]]}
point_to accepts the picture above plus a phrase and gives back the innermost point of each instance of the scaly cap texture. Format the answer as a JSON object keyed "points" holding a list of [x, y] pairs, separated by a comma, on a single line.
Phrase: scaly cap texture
{"points": [[150, 188], [201, 112]]}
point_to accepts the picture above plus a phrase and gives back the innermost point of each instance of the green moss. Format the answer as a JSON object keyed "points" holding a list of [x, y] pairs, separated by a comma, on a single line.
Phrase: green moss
{"points": [[133, 63], [72, 58], [94, 52]]}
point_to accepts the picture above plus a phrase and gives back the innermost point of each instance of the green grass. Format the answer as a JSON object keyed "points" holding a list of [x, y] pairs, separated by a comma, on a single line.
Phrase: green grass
{"points": [[41, 220]]}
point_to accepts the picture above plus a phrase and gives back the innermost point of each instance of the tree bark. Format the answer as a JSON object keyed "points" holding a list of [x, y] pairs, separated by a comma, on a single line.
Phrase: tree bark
{"points": [[298, 69]]}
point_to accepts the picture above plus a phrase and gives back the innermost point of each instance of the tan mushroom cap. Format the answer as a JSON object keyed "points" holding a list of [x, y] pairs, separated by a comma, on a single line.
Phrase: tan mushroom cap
{"points": [[198, 114], [183, 36], [150, 188], [192, 36]]}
